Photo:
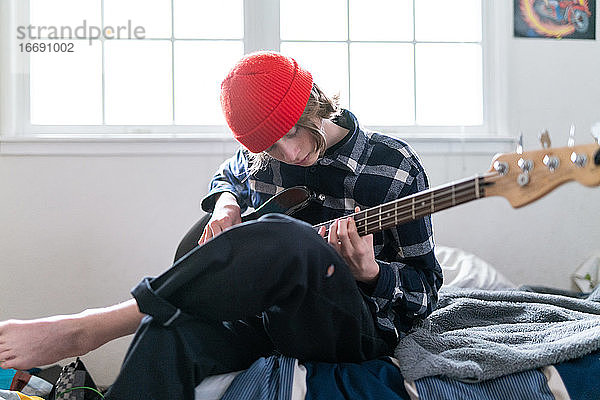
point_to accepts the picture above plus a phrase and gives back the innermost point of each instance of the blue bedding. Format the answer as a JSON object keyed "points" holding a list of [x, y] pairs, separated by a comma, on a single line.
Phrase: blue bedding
{"points": [[371, 380], [381, 379]]}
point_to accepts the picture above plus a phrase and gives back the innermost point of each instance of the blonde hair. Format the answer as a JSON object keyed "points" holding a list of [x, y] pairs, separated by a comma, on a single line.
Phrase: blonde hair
{"points": [[319, 107]]}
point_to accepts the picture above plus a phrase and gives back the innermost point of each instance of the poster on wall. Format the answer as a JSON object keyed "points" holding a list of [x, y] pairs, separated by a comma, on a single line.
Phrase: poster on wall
{"points": [[574, 19]]}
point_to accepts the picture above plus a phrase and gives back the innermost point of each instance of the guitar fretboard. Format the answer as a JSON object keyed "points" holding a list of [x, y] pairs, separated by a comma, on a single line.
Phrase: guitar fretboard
{"points": [[416, 206]]}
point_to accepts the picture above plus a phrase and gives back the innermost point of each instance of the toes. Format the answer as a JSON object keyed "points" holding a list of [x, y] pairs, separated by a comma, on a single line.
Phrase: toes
{"points": [[6, 361], [14, 362]]}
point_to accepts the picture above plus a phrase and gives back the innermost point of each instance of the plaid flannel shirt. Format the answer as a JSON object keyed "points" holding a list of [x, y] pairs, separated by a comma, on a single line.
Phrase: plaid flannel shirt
{"points": [[365, 169]]}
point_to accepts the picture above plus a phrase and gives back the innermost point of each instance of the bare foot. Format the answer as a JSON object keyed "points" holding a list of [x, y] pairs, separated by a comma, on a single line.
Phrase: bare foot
{"points": [[33, 343], [37, 342]]}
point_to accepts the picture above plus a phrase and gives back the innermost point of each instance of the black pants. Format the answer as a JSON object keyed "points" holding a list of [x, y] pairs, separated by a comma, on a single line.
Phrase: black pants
{"points": [[262, 287]]}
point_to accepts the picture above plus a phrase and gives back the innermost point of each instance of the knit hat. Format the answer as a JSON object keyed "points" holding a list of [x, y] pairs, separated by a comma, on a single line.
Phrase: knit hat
{"points": [[263, 97]]}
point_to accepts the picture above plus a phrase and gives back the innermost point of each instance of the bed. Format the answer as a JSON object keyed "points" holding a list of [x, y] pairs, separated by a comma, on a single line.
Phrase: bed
{"points": [[555, 363]]}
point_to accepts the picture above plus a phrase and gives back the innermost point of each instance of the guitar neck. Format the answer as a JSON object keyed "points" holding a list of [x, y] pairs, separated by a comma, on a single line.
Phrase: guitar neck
{"points": [[416, 206]]}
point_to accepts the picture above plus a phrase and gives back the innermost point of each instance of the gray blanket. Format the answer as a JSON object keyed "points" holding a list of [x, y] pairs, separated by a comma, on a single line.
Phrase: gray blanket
{"points": [[476, 335]]}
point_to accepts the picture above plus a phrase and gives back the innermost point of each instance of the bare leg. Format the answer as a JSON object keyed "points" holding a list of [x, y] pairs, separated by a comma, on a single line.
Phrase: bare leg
{"points": [[32, 343]]}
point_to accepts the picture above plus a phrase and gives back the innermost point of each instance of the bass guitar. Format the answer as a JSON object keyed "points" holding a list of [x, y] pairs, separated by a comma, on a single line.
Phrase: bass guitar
{"points": [[520, 177]]}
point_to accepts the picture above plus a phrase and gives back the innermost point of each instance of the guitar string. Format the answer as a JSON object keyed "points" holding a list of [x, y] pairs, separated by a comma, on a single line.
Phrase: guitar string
{"points": [[458, 189], [461, 188], [462, 193], [392, 218], [397, 218]]}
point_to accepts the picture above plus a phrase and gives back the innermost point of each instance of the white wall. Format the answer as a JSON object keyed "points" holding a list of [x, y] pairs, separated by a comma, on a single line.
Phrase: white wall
{"points": [[80, 231]]}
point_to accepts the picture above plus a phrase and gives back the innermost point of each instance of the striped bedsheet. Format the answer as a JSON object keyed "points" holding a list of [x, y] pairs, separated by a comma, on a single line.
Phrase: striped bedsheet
{"points": [[284, 378]]}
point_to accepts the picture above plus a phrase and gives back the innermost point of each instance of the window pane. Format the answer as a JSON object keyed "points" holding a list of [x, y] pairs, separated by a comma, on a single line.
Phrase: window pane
{"points": [[327, 62], [449, 84], [313, 20], [200, 67], [209, 19], [69, 15], [66, 88], [138, 82], [154, 16], [448, 21], [381, 20], [382, 83]]}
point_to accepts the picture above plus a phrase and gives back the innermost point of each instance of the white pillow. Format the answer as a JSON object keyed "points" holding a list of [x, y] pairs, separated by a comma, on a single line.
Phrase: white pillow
{"points": [[465, 270]]}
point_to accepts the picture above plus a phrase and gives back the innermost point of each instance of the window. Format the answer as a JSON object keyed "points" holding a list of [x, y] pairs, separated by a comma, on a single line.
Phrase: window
{"points": [[397, 63], [401, 65], [135, 64]]}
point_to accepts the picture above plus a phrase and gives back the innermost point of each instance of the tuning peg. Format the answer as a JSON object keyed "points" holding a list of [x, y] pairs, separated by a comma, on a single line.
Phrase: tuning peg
{"points": [[579, 159], [571, 141], [545, 139], [520, 145], [596, 132], [525, 165], [551, 162]]}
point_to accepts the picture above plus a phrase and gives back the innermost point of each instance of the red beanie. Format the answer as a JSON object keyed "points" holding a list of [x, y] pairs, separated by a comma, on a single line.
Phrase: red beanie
{"points": [[263, 97]]}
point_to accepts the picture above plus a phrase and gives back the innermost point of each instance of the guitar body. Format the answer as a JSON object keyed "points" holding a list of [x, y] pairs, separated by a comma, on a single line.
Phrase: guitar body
{"points": [[286, 202]]}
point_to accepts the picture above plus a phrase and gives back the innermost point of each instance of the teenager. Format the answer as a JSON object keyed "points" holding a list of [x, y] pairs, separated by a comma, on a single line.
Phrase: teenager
{"points": [[275, 285]]}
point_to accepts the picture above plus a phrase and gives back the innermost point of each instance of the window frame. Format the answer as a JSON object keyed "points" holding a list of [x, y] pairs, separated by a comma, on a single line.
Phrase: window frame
{"points": [[261, 31]]}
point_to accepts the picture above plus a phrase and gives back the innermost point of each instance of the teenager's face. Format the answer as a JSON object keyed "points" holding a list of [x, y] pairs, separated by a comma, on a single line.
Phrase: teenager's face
{"points": [[297, 147]]}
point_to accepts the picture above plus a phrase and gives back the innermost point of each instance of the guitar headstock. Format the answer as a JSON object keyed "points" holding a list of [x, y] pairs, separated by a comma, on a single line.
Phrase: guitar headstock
{"points": [[525, 177]]}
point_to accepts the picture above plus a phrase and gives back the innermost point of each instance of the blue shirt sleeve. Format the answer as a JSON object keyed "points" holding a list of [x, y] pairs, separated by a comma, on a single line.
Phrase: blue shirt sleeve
{"points": [[231, 176]]}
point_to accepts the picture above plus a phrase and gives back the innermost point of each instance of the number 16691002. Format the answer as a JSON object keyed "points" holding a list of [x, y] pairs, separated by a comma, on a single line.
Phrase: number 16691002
{"points": [[54, 47]]}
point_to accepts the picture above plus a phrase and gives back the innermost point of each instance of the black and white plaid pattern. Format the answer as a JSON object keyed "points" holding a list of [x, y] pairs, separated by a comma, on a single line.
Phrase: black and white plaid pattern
{"points": [[365, 169], [68, 379], [74, 375]]}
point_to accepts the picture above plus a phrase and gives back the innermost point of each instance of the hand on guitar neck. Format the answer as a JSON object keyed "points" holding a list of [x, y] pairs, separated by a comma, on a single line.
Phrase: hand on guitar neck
{"points": [[356, 250]]}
